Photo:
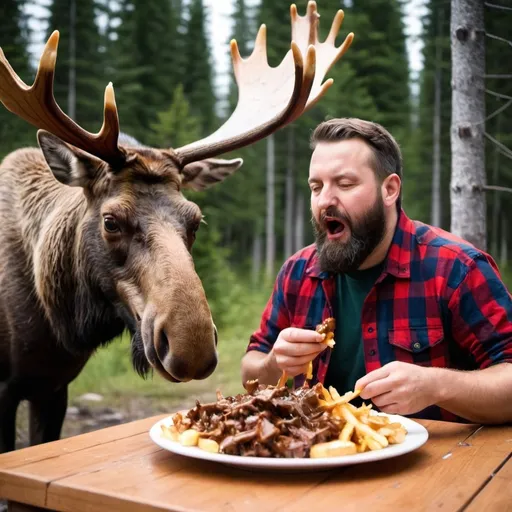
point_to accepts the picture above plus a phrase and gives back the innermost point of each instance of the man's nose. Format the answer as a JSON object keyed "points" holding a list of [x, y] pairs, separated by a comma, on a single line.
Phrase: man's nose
{"points": [[326, 198]]}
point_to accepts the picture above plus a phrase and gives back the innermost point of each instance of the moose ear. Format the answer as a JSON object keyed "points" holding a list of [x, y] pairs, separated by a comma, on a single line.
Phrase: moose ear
{"points": [[205, 173], [68, 164]]}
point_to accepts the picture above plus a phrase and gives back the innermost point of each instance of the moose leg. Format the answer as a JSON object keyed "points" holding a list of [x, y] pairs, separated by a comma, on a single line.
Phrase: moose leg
{"points": [[47, 416], [8, 406]]}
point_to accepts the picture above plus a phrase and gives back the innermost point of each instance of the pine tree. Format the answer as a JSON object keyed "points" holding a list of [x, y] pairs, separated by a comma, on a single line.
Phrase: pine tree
{"points": [[144, 58], [436, 59], [79, 82], [197, 72], [14, 38], [380, 55]]}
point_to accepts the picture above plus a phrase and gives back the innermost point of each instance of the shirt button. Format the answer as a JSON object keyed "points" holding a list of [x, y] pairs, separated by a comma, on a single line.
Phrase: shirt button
{"points": [[370, 329], [372, 352], [416, 346]]}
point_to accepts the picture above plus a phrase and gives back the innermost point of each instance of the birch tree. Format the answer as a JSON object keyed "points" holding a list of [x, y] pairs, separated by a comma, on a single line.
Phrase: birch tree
{"points": [[467, 193]]}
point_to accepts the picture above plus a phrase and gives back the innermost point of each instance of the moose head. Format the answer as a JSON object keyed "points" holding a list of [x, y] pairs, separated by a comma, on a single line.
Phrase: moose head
{"points": [[137, 228]]}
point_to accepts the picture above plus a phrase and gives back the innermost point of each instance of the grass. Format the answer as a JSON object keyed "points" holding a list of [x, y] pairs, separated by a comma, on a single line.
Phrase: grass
{"points": [[109, 372]]}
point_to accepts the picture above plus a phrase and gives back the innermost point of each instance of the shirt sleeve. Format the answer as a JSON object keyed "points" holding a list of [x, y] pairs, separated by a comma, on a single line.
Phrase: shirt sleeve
{"points": [[481, 311], [275, 316]]}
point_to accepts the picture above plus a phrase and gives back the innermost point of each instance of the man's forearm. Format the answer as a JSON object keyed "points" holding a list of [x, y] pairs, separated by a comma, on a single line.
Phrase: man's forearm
{"points": [[257, 365], [482, 396]]}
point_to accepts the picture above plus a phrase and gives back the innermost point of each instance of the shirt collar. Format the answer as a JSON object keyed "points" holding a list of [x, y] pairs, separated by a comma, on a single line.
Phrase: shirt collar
{"points": [[398, 259]]}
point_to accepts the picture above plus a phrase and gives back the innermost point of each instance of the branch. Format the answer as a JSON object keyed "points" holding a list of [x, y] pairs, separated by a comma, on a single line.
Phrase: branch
{"points": [[495, 187], [498, 95], [498, 38], [494, 6], [499, 110], [495, 113], [497, 76], [504, 150]]}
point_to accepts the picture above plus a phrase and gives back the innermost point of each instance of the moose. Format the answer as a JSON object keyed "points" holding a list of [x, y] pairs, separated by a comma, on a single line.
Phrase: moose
{"points": [[96, 235]]}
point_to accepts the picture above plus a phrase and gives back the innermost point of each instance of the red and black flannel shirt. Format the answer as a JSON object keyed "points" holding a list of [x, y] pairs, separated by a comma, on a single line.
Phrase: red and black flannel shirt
{"points": [[438, 302]]}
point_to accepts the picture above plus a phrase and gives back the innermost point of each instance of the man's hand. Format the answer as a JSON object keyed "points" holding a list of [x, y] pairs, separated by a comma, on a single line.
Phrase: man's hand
{"points": [[400, 388], [295, 348]]}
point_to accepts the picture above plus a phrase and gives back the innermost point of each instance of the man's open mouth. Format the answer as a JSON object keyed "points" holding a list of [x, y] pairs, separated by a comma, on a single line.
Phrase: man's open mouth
{"points": [[334, 226]]}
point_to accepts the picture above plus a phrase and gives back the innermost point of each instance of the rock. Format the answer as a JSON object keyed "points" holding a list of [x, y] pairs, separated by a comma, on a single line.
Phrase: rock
{"points": [[91, 397], [112, 417]]}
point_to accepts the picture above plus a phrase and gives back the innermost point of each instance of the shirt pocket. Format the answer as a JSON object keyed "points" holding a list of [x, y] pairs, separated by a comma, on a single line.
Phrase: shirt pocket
{"points": [[419, 345]]}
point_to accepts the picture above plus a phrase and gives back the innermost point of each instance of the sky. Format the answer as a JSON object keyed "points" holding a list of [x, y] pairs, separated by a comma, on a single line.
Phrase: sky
{"points": [[220, 28]]}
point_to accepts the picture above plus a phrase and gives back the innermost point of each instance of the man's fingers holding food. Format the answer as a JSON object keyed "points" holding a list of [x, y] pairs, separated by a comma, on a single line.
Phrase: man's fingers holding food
{"points": [[296, 335], [308, 350]]}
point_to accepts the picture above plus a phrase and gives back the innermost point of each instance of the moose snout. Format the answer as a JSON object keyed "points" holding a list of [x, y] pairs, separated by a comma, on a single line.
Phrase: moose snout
{"points": [[186, 360]]}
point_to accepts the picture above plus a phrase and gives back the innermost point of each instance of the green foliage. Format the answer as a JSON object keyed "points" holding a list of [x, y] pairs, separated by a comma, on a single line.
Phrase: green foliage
{"points": [[14, 38], [212, 266], [176, 126], [144, 61], [436, 31], [87, 61], [197, 73]]}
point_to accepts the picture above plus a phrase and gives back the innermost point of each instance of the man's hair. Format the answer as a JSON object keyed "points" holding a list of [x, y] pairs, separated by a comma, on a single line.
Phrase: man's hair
{"points": [[387, 157]]}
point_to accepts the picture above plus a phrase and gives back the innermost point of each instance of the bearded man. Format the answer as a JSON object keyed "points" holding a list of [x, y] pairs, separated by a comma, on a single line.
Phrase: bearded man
{"points": [[423, 319]]}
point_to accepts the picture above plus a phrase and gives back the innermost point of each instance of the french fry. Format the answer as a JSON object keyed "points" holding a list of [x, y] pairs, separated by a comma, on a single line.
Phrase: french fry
{"points": [[208, 445], [346, 432], [189, 437], [363, 429], [332, 449], [170, 432]]}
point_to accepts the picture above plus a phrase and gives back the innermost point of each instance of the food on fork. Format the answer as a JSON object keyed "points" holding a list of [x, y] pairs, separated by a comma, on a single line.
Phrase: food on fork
{"points": [[271, 421]]}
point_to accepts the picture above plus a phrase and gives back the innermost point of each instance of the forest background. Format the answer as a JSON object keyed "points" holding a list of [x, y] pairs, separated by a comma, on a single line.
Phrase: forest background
{"points": [[158, 54]]}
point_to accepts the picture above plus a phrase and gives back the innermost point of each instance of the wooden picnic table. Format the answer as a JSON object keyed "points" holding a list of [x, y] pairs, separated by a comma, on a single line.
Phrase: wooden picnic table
{"points": [[461, 467]]}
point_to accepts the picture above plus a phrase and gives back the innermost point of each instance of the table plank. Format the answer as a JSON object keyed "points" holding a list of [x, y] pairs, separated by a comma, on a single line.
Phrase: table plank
{"points": [[120, 468], [443, 477], [496, 496], [157, 483], [28, 479], [80, 442], [164, 481]]}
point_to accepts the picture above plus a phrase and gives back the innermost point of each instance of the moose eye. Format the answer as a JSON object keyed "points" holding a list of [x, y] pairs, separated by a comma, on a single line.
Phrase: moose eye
{"points": [[111, 225]]}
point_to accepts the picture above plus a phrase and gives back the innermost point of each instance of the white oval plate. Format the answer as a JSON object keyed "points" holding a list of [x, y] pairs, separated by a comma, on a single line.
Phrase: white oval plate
{"points": [[416, 436]]}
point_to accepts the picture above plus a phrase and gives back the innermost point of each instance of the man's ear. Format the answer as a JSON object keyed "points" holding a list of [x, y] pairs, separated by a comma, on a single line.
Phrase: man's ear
{"points": [[68, 164], [391, 187], [205, 173]]}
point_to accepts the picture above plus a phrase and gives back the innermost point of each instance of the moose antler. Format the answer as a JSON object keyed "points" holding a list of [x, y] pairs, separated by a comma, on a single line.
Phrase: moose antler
{"points": [[269, 98], [37, 105]]}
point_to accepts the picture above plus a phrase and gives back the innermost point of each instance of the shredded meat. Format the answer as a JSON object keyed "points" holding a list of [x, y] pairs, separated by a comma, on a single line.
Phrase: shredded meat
{"points": [[268, 421]]}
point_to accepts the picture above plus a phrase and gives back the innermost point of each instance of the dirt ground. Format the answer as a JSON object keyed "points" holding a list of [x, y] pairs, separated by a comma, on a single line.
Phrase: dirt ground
{"points": [[93, 412]]}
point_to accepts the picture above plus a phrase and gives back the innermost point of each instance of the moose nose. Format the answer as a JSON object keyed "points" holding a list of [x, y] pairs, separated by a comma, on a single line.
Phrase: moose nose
{"points": [[181, 369], [184, 366]]}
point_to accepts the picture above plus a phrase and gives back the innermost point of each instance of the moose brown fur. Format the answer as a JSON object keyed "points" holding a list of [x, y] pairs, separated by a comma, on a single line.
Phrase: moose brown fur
{"points": [[96, 234]]}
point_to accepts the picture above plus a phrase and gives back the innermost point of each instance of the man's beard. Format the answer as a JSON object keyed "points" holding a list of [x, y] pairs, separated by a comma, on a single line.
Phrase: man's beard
{"points": [[365, 235]]}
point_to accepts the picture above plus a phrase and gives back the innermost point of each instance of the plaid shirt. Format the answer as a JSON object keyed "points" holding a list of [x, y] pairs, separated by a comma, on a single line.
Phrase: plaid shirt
{"points": [[438, 302]]}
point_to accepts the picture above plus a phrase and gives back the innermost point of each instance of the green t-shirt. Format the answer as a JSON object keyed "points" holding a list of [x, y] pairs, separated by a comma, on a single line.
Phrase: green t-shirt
{"points": [[346, 365]]}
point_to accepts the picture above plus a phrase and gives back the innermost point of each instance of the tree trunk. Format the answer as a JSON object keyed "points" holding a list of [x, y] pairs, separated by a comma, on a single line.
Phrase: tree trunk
{"points": [[256, 258], [495, 222], [436, 213], [290, 185], [270, 224], [467, 131], [299, 223], [504, 245], [72, 61]]}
